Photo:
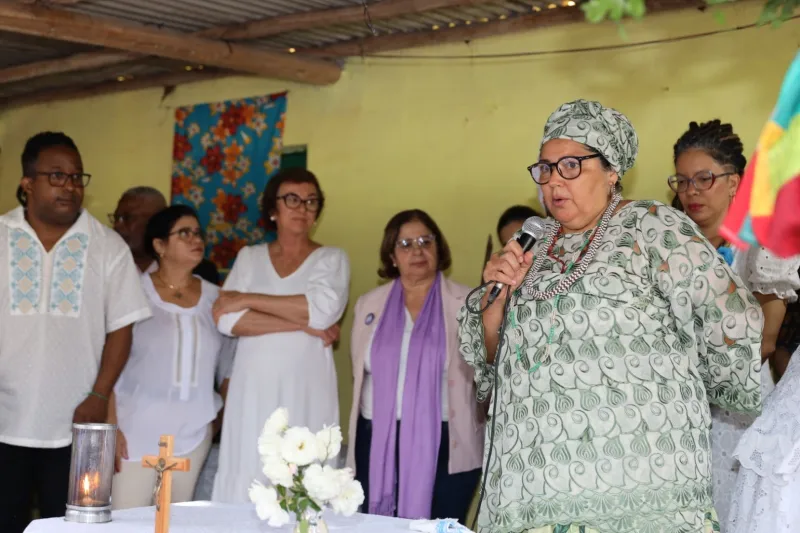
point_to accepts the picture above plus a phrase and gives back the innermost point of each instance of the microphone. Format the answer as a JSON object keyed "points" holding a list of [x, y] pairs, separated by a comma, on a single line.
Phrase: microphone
{"points": [[532, 230]]}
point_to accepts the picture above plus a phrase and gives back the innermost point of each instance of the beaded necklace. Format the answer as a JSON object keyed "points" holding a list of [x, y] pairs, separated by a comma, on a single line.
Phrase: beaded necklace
{"points": [[583, 258]]}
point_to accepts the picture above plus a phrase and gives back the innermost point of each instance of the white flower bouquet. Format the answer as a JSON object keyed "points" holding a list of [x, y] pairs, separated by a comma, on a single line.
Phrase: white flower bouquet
{"points": [[294, 460]]}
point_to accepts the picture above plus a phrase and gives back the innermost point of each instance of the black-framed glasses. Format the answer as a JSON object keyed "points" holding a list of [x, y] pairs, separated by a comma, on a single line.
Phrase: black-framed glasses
{"points": [[293, 201], [423, 242], [59, 179], [702, 181], [187, 234], [569, 167]]}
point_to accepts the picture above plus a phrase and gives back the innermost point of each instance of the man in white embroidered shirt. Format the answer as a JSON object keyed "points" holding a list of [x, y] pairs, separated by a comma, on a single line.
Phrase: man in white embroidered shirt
{"points": [[69, 295]]}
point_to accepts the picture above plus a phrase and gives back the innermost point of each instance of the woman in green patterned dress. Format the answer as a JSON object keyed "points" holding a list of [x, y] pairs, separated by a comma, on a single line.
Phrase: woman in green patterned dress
{"points": [[619, 334]]}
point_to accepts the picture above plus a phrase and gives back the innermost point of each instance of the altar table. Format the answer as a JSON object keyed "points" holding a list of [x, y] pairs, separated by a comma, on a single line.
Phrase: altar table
{"points": [[208, 517]]}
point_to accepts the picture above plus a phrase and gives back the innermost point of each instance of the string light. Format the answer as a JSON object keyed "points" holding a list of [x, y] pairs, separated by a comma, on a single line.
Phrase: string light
{"points": [[552, 6], [503, 17], [536, 8], [570, 3], [452, 25], [484, 19], [121, 78], [187, 68], [292, 50], [467, 22], [435, 27]]}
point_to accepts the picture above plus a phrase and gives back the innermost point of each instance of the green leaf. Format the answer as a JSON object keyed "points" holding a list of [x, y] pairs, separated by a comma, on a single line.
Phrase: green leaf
{"points": [[595, 11], [636, 8], [719, 16], [304, 526]]}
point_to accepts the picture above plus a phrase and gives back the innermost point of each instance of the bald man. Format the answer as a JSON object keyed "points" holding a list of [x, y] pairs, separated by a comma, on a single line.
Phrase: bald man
{"points": [[134, 210]]}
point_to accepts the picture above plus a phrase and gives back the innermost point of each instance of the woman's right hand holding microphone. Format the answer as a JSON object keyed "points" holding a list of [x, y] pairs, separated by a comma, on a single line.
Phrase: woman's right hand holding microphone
{"points": [[508, 267]]}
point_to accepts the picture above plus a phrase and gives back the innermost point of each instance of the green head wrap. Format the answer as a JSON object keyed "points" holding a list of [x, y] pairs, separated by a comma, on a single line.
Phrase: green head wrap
{"points": [[606, 130]]}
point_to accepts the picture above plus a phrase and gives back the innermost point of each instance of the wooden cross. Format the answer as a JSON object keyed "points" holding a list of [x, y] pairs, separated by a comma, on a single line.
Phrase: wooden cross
{"points": [[164, 464]]}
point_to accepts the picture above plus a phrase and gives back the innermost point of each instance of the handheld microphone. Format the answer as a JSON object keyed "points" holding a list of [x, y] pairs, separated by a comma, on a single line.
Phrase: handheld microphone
{"points": [[532, 230]]}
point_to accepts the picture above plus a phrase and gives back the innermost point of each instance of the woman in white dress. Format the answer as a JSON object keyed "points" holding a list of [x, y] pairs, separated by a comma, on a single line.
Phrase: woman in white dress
{"points": [[709, 163], [766, 498], [283, 300], [167, 386]]}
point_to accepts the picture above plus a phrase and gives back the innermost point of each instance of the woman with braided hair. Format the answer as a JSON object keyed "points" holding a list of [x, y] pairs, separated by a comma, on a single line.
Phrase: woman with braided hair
{"points": [[614, 342], [709, 163]]}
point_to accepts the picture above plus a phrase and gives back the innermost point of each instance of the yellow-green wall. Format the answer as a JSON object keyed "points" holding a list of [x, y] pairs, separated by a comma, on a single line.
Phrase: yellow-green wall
{"points": [[450, 137]]}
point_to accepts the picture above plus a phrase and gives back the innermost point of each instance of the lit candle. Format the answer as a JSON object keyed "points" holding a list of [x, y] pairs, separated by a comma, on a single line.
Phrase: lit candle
{"points": [[87, 489]]}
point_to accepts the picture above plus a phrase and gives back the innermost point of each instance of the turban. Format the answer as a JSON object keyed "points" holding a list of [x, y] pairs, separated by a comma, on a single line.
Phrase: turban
{"points": [[604, 129]]}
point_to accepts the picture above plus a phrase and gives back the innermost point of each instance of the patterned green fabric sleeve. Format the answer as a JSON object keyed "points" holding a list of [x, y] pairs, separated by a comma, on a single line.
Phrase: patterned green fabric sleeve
{"points": [[473, 347], [718, 321]]}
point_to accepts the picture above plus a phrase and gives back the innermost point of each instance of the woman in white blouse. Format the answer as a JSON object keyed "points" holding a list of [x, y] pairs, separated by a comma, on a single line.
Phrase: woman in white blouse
{"points": [[709, 163], [167, 387], [283, 300]]}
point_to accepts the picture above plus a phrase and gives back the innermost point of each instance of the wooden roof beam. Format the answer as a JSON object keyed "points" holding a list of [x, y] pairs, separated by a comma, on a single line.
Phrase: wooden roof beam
{"points": [[143, 40], [520, 23], [170, 79]]}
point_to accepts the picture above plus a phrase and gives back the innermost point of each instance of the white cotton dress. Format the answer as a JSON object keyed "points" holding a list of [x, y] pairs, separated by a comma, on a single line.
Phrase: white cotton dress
{"points": [[766, 274], [292, 370]]}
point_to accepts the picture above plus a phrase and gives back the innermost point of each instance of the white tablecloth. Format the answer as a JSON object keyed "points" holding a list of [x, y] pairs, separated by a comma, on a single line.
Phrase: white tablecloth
{"points": [[207, 517]]}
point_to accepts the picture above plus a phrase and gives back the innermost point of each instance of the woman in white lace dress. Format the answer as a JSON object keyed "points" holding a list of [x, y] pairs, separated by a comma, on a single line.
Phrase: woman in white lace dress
{"points": [[709, 163]]}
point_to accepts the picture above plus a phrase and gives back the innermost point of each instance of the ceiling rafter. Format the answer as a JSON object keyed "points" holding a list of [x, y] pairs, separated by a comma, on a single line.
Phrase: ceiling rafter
{"points": [[141, 40], [170, 79]]}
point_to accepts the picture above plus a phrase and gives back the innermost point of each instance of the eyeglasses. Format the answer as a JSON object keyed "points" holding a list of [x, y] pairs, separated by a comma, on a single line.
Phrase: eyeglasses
{"points": [[293, 201], [423, 242], [187, 234], [115, 219], [569, 167], [702, 181], [59, 179]]}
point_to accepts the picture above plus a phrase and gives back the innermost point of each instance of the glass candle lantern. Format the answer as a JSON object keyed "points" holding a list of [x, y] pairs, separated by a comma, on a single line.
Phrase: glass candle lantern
{"points": [[91, 472]]}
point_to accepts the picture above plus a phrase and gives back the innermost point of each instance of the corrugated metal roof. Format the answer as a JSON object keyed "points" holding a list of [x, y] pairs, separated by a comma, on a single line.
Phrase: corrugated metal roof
{"points": [[424, 21], [195, 15]]}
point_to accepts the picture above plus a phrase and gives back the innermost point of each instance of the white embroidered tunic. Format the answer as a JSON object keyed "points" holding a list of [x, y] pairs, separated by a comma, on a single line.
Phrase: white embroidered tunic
{"points": [[167, 386], [57, 308]]}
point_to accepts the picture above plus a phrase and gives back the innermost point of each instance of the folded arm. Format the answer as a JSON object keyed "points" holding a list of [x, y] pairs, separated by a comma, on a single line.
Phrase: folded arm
{"points": [[254, 323], [293, 309]]}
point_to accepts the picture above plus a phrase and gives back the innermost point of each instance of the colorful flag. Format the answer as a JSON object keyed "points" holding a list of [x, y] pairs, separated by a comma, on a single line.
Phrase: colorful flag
{"points": [[767, 208]]}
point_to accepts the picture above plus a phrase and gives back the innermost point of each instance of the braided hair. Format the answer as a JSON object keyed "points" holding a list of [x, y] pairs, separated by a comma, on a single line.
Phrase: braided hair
{"points": [[717, 140]]}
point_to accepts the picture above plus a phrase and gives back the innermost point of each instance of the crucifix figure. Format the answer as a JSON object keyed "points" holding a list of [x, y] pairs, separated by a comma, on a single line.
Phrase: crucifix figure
{"points": [[164, 464]]}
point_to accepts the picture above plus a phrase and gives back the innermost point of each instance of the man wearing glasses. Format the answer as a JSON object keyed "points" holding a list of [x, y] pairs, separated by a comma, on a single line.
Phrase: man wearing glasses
{"points": [[69, 296]]}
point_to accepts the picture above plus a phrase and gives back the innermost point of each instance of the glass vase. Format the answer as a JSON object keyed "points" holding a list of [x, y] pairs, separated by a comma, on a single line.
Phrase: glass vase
{"points": [[311, 521]]}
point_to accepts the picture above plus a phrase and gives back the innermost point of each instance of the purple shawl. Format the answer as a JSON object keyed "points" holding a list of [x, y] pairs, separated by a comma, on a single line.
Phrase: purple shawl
{"points": [[421, 427]]}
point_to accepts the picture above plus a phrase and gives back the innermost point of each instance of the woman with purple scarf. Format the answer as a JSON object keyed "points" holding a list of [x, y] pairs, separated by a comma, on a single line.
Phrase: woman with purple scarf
{"points": [[415, 422]]}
